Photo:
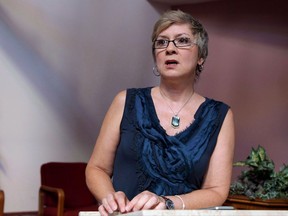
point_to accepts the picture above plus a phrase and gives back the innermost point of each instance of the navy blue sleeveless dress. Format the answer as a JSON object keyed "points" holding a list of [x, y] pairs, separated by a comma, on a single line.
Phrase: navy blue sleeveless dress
{"points": [[149, 159]]}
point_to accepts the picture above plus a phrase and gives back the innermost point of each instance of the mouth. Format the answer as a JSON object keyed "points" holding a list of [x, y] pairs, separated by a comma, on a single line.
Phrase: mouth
{"points": [[171, 62]]}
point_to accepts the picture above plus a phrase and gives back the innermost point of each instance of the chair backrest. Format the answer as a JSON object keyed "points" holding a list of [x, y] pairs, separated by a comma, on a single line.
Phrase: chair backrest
{"points": [[71, 178]]}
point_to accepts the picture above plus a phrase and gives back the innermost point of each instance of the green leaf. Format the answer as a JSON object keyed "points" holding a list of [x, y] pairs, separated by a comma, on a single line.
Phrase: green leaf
{"points": [[259, 179]]}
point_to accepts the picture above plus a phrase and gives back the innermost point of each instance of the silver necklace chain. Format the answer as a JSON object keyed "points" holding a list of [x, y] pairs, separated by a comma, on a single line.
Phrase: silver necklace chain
{"points": [[175, 121]]}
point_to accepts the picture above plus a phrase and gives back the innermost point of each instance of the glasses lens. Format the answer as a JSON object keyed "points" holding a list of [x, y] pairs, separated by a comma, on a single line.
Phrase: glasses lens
{"points": [[158, 44], [183, 42]]}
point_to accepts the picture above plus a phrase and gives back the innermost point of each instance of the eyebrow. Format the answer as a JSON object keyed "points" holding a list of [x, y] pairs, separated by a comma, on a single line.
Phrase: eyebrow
{"points": [[178, 35]]}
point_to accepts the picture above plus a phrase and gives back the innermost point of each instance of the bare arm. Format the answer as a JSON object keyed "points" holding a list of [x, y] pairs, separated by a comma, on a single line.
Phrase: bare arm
{"points": [[100, 166]]}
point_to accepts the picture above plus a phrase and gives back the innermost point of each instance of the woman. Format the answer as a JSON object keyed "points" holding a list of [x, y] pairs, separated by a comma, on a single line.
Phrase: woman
{"points": [[165, 147]]}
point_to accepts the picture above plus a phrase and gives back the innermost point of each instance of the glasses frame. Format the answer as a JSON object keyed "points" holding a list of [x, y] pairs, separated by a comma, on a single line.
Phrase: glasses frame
{"points": [[173, 41]]}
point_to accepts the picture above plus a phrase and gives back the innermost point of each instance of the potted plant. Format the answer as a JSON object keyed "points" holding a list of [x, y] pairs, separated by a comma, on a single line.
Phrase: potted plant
{"points": [[259, 186]]}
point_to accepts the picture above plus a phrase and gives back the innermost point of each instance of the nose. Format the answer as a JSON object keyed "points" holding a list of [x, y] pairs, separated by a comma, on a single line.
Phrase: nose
{"points": [[171, 48]]}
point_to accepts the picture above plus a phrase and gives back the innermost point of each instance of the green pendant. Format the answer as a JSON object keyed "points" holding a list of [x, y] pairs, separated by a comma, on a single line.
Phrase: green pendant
{"points": [[175, 121]]}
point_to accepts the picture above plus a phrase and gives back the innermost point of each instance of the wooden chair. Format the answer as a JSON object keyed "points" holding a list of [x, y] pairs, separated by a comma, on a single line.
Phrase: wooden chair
{"points": [[2, 198], [63, 190]]}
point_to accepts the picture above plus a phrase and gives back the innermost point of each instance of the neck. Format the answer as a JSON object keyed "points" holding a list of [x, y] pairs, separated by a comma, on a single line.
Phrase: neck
{"points": [[176, 94]]}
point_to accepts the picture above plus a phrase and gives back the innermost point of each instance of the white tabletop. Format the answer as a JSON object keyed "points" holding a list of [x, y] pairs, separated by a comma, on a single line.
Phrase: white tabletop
{"points": [[196, 213]]}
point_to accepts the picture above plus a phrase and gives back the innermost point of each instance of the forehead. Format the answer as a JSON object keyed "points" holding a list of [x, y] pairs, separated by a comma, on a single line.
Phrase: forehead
{"points": [[175, 30]]}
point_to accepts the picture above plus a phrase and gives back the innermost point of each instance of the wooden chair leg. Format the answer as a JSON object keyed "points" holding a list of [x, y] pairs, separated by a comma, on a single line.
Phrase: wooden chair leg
{"points": [[40, 203], [60, 203]]}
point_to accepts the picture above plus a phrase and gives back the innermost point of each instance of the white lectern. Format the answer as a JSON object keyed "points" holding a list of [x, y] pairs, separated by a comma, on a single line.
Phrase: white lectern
{"points": [[196, 213]]}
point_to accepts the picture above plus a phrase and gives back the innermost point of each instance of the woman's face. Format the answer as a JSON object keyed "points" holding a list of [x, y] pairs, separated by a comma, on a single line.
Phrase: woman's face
{"points": [[177, 61]]}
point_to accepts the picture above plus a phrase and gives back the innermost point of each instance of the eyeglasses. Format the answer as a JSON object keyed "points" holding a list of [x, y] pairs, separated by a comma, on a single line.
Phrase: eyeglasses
{"points": [[178, 42]]}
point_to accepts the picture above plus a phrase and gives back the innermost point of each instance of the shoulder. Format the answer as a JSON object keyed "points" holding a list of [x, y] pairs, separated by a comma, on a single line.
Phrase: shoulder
{"points": [[118, 102], [127, 95], [211, 106], [224, 108], [121, 96], [217, 102], [139, 90], [133, 93], [229, 118], [208, 102], [218, 106]]}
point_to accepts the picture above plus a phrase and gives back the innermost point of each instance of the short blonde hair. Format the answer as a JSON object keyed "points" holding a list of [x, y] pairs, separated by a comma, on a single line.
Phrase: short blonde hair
{"points": [[179, 17]]}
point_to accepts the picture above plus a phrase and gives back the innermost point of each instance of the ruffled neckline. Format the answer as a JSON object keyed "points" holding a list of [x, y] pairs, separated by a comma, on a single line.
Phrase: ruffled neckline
{"points": [[156, 121]]}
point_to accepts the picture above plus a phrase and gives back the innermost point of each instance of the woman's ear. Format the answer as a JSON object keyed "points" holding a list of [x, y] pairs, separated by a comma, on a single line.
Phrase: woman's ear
{"points": [[200, 61]]}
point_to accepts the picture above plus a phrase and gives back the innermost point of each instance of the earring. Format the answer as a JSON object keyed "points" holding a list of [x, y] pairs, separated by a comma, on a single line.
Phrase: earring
{"points": [[200, 67], [155, 71]]}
